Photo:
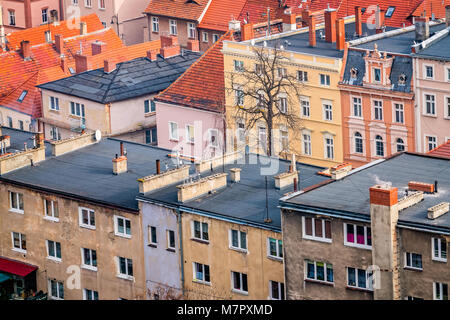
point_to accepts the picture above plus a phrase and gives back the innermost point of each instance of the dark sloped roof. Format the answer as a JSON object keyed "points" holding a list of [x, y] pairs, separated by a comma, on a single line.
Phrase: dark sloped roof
{"points": [[401, 65], [130, 79], [440, 49]]}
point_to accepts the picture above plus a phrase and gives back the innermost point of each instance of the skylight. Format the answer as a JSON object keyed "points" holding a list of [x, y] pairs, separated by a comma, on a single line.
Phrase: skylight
{"points": [[389, 12], [22, 95]]}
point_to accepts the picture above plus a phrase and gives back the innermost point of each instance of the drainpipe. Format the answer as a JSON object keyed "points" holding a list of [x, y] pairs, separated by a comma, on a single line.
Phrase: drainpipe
{"points": [[180, 232]]}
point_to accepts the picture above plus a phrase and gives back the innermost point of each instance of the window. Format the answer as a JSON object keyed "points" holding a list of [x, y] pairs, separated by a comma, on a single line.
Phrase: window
{"points": [[152, 238], [213, 138], [87, 218], [151, 136], [283, 104], [329, 148], [238, 97], [53, 250], [45, 15], [173, 27], [319, 271], [259, 69], [324, 79], [48, 36], [328, 111], [122, 227], [400, 145], [88, 3], [54, 103], [21, 125], [262, 139], [238, 240], [75, 2], [54, 133], [89, 259], [439, 249], [238, 65], [399, 118], [376, 75], [173, 131], [239, 282], [149, 106], [389, 12], [378, 109], [155, 24], [284, 139], [316, 229], [51, 210], [200, 230], [281, 72], [357, 236], [125, 268], [12, 17], [22, 95], [304, 103], [276, 290], [19, 242], [77, 109], [90, 294], [357, 107], [171, 239], [430, 105], [440, 291], [429, 74], [215, 38], [16, 202], [430, 142], [447, 107], [302, 76], [205, 36], [275, 248], [102, 4], [358, 143], [379, 146], [307, 144], [359, 278], [56, 289], [191, 30], [10, 122], [413, 260], [190, 138], [448, 74], [241, 130], [201, 273]]}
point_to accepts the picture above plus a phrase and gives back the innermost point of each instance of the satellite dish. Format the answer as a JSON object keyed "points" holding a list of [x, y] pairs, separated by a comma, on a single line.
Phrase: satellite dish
{"points": [[98, 135]]}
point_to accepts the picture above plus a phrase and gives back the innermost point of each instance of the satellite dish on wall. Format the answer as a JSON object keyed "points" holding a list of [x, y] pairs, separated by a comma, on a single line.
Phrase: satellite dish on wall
{"points": [[98, 135]]}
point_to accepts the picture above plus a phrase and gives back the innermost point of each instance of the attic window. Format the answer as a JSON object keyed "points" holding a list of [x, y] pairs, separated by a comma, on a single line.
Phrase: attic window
{"points": [[402, 79], [22, 95], [389, 12], [363, 10], [71, 70], [191, 1], [353, 72]]}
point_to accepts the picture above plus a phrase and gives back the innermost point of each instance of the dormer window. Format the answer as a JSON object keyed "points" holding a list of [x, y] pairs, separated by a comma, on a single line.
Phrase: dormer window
{"points": [[402, 79], [389, 12], [376, 75]]}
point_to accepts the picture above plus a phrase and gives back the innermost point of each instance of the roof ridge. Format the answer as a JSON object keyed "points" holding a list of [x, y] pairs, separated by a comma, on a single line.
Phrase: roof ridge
{"points": [[19, 86], [118, 66]]}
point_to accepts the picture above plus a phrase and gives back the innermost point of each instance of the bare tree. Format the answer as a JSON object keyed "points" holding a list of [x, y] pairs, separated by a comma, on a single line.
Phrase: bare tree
{"points": [[266, 92]]}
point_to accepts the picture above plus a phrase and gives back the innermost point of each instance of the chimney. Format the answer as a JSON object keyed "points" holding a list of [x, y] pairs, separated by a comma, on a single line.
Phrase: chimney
{"points": [[161, 180], [109, 65], [235, 174], [82, 63], [169, 46], [383, 223], [330, 25], [421, 186], [59, 43], [422, 28], [447, 16], [64, 65], [168, 41], [247, 32], [28, 14], [26, 49], [158, 166], [305, 17], [340, 34], [120, 163], [98, 47], [60, 147], [289, 22], [206, 185], [39, 137], [234, 25], [152, 55], [193, 45], [83, 28], [312, 31], [438, 210], [358, 21]]}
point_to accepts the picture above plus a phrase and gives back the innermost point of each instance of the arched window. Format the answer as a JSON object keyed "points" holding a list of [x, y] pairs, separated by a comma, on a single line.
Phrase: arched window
{"points": [[379, 146], [400, 145], [358, 143]]}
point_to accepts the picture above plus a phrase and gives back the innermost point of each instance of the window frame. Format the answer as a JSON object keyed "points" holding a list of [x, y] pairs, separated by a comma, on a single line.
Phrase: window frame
{"points": [[52, 216], [190, 30], [177, 138], [169, 247], [19, 197], [150, 229], [306, 143], [190, 139], [201, 239], [425, 71], [80, 218], [410, 266], [325, 273], [125, 276], [53, 103], [90, 266], [328, 147], [439, 285], [369, 283], [59, 284], [355, 233], [427, 142], [280, 287], [241, 282], [439, 258], [313, 229], [378, 112], [327, 109], [86, 293], [432, 103], [326, 79], [378, 143], [399, 111], [155, 24], [357, 104], [116, 227], [203, 272], [173, 24], [22, 240], [239, 247], [55, 246], [279, 253], [360, 139]]}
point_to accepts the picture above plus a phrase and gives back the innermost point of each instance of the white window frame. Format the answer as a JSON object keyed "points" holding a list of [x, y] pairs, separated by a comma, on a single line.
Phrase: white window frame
{"points": [[439, 285], [306, 143], [116, 227], [279, 255], [11, 17], [327, 108], [410, 254], [204, 36], [169, 247], [100, 2], [369, 282], [327, 145], [54, 103], [88, 3], [80, 218], [155, 24], [86, 293], [447, 106], [173, 24], [426, 145], [201, 231], [150, 238], [301, 76], [239, 247], [91, 266], [354, 142], [314, 237], [283, 104], [54, 258], [189, 139], [125, 276], [305, 105], [20, 249], [355, 244], [326, 78], [213, 133], [438, 258], [51, 216], [425, 74], [325, 264], [238, 65], [194, 273], [358, 104], [397, 144], [190, 30], [216, 37], [373, 73], [377, 107], [18, 195], [44, 15], [401, 111], [50, 293], [171, 137], [241, 282], [376, 147], [280, 286], [433, 102]]}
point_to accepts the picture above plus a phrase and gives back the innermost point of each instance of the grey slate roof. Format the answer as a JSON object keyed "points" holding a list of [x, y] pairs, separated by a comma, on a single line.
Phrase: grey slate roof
{"points": [[351, 194], [439, 49], [18, 139], [245, 200], [130, 79]]}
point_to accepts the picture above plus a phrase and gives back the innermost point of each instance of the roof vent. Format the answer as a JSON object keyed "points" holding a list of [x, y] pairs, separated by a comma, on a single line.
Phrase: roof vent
{"points": [[438, 210]]}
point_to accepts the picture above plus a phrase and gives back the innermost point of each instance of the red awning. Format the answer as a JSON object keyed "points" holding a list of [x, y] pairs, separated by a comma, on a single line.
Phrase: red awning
{"points": [[16, 267]]}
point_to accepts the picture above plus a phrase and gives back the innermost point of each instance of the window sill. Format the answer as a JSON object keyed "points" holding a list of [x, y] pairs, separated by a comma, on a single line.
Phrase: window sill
{"points": [[125, 277], [358, 289], [240, 292], [174, 140], [201, 282], [359, 246], [54, 259], [51, 219], [54, 110], [16, 211], [19, 250], [275, 258], [153, 245], [331, 284], [122, 235], [88, 267], [238, 249], [200, 240], [171, 250], [413, 268], [430, 115], [150, 114], [318, 239], [439, 260], [86, 226]]}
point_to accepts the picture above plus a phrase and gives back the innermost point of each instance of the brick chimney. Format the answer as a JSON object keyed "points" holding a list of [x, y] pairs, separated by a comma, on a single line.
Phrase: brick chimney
{"points": [[383, 222], [340, 34], [193, 45], [247, 32], [64, 65], [26, 49], [312, 31], [59, 43], [152, 55], [120, 163], [422, 27], [28, 18], [330, 25], [447, 16], [358, 21], [289, 22], [305, 17], [109, 66], [82, 63], [98, 47], [169, 46], [83, 28], [168, 41]]}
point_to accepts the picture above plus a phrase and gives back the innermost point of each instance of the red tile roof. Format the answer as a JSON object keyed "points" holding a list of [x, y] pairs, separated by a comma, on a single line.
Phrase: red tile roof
{"points": [[67, 28], [432, 6], [183, 9], [220, 12], [202, 86], [441, 151], [256, 9]]}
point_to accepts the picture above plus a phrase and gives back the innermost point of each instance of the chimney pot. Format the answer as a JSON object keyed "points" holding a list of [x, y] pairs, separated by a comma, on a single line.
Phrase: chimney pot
{"points": [[64, 65], [330, 25], [385, 196]]}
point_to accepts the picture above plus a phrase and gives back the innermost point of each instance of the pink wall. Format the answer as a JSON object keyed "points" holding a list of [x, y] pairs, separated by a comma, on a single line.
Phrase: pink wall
{"points": [[183, 116], [18, 7]]}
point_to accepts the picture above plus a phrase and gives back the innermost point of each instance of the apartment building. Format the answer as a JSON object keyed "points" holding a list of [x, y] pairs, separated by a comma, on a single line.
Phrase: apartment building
{"points": [[380, 232], [115, 99]]}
